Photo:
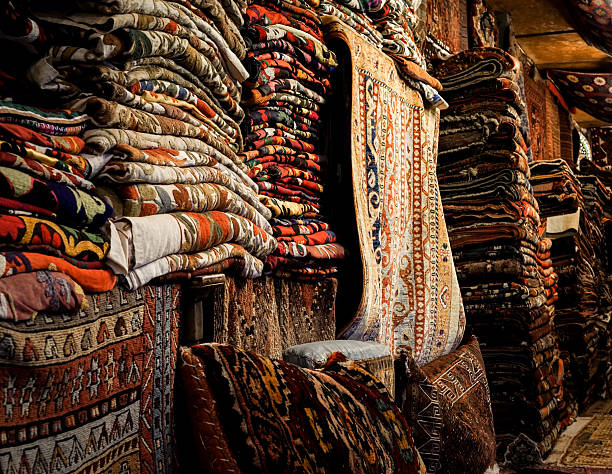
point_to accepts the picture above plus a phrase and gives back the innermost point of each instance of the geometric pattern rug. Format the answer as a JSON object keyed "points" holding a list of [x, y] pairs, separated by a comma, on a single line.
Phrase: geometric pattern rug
{"points": [[593, 21], [587, 443], [411, 298], [93, 391], [589, 91], [592, 446]]}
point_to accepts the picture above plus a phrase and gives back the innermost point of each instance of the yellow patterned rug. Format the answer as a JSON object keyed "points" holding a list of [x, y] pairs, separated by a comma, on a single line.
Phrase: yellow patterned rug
{"points": [[592, 447], [587, 443], [411, 298]]}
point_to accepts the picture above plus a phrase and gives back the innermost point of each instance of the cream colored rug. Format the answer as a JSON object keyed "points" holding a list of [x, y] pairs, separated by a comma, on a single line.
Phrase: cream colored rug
{"points": [[586, 443]]}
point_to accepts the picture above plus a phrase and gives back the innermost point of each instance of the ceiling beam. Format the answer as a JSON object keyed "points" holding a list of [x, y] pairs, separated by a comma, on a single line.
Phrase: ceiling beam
{"points": [[547, 33]]}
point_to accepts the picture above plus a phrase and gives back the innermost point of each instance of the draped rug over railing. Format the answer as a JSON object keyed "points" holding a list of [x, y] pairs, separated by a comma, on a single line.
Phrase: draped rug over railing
{"points": [[411, 297]]}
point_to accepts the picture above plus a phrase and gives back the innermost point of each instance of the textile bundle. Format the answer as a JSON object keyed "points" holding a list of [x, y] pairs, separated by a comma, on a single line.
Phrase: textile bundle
{"points": [[577, 207], [52, 247], [503, 262], [593, 21], [482, 25], [601, 141], [161, 83], [255, 414], [285, 96]]}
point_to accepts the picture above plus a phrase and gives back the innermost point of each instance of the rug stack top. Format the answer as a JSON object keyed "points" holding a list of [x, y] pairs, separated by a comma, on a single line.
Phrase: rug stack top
{"points": [[389, 25], [161, 84]]}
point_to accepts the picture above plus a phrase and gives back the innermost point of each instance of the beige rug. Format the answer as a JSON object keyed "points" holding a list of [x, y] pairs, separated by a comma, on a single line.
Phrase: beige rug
{"points": [[411, 298], [586, 443]]}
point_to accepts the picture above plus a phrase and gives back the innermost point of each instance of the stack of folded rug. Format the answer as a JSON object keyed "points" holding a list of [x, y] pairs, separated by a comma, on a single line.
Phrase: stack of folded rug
{"points": [[575, 207], [51, 244], [288, 85], [161, 82], [597, 190], [389, 25], [502, 262], [594, 290], [558, 192]]}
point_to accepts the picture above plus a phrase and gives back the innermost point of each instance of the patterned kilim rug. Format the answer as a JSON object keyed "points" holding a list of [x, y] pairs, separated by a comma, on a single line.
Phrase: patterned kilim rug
{"points": [[586, 446], [592, 446], [593, 19], [589, 91], [411, 298], [91, 392]]}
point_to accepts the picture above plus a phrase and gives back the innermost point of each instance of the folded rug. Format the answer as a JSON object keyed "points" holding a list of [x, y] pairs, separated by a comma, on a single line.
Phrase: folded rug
{"points": [[91, 280], [474, 66], [244, 264], [72, 205], [135, 173], [24, 295], [52, 157], [31, 231], [343, 400], [181, 232], [44, 121], [171, 157], [41, 170], [68, 144], [147, 199]]}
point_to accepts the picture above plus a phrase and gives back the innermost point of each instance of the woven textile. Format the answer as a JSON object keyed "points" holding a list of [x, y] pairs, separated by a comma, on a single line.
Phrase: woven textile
{"points": [[286, 93], [591, 92], [92, 276], [503, 264], [221, 257], [476, 66], [535, 94], [49, 122], [160, 83], [601, 141], [30, 232], [68, 144], [576, 208], [444, 23], [41, 170], [56, 158], [448, 403], [148, 199], [592, 445], [594, 21], [482, 25], [24, 295], [410, 298], [181, 232], [71, 204], [553, 129], [254, 414], [93, 391]]}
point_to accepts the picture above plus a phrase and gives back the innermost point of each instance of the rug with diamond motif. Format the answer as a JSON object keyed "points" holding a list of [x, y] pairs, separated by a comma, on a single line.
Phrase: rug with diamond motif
{"points": [[410, 297]]}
